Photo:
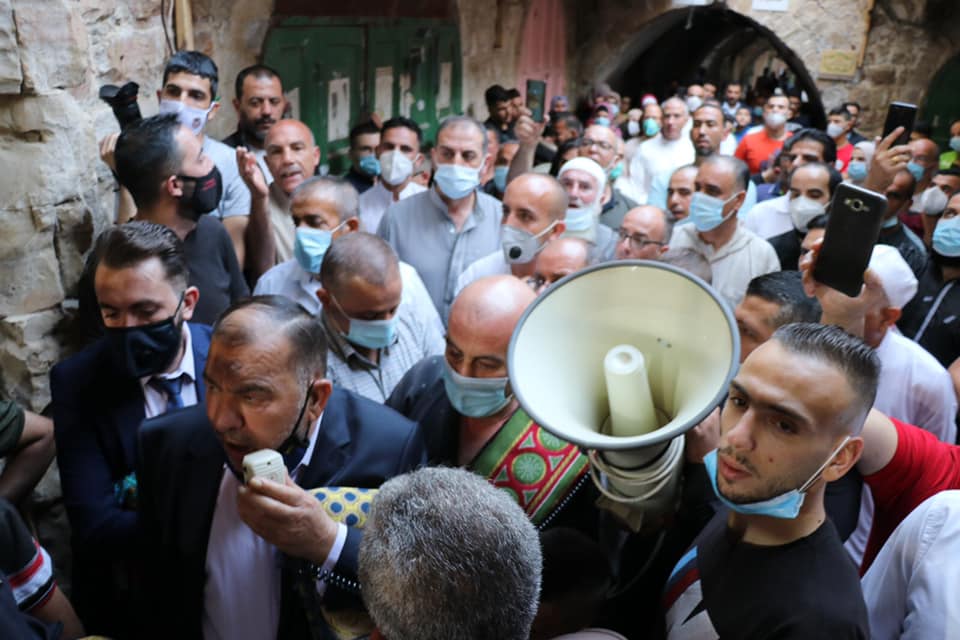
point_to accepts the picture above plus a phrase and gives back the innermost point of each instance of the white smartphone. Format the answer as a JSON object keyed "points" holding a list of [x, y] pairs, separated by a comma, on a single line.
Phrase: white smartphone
{"points": [[265, 463]]}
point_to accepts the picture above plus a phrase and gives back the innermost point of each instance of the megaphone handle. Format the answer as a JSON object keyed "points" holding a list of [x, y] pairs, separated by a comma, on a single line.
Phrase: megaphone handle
{"points": [[676, 443]]}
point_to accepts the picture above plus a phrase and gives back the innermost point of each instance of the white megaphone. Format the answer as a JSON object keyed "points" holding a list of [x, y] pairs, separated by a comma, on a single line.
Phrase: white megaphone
{"points": [[622, 359]]}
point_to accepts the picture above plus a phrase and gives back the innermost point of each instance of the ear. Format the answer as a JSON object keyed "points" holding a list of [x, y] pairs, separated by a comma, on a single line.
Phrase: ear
{"points": [[739, 201], [349, 226], [190, 298], [664, 249], [324, 296], [316, 157], [844, 460], [159, 95], [433, 156], [318, 394], [236, 105], [890, 316], [417, 161], [487, 165], [607, 194], [558, 229], [173, 186]]}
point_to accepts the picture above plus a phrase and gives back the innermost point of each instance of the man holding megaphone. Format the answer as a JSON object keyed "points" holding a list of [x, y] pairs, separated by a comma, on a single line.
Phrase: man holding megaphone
{"points": [[470, 417]]}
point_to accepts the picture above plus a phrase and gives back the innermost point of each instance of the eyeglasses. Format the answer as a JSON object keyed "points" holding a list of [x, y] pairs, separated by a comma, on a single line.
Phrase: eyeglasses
{"points": [[637, 240], [587, 142]]}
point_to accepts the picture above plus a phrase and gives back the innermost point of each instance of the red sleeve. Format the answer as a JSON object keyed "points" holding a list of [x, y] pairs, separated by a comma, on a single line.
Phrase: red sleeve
{"points": [[921, 467]]}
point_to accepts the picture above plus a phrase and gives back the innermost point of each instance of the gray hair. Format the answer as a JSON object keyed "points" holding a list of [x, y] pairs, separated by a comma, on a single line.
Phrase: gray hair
{"points": [[447, 555], [456, 121], [736, 166], [679, 101], [331, 188]]}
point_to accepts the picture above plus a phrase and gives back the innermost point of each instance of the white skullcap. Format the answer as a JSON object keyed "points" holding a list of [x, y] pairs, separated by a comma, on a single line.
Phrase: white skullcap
{"points": [[590, 166], [868, 149], [897, 279]]}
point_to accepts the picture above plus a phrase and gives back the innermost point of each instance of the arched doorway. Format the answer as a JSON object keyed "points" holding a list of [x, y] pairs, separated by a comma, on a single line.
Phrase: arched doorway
{"points": [[943, 101], [544, 55], [708, 43]]}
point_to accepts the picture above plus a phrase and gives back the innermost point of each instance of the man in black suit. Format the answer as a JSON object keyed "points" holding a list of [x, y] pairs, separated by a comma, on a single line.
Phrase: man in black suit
{"points": [[229, 560]]}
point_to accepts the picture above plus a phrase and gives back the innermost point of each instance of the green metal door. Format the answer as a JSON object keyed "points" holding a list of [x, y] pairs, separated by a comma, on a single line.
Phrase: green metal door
{"points": [[943, 102]]}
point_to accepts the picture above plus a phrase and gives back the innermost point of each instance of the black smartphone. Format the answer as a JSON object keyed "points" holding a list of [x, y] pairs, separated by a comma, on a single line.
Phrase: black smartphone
{"points": [[536, 97], [852, 230], [900, 114]]}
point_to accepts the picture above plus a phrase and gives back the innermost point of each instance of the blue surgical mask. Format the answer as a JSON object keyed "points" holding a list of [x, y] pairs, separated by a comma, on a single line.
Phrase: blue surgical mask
{"points": [[915, 170], [372, 334], [946, 237], [616, 172], [650, 127], [475, 397], [456, 181], [601, 121], [857, 170], [955, 143], [370, 165], [786, 505], [500, 177], [706, 212], [890, 223], [310, 245], [579, 219]]}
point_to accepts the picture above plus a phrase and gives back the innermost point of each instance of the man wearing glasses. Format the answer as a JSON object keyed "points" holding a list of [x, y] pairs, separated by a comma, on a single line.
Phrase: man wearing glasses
{"points": [[644, 234]]}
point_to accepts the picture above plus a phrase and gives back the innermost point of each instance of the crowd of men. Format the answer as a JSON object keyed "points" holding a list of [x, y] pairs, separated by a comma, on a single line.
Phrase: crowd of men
{"points": [[420, 500]]}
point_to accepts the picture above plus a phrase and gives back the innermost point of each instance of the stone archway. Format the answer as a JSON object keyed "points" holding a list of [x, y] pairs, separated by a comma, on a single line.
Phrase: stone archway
{"points": [[942, 105], [706, 43]]}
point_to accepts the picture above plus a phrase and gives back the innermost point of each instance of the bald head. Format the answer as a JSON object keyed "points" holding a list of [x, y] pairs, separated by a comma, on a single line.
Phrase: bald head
{"points": [[340, 196], [290, 127], [484, 315], [645, 234], [558, 259], [359, 256], [540, 191]]}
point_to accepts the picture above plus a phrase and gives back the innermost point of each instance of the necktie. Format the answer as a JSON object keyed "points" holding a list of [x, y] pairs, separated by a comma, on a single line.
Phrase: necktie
{"points": [[171, 388]]}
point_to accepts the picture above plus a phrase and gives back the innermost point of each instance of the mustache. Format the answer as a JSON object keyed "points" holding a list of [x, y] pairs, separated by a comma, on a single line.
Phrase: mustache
{"points": [[265, 120], [743, 462]]}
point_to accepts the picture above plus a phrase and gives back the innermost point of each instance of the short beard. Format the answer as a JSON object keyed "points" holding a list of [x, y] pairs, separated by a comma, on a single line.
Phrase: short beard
{"points": [[944, 261], [251, 132]]}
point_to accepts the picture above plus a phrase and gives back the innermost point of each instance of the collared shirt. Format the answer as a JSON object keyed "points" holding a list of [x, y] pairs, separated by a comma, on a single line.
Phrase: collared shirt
{"points": [[422, 233], [284, 232], [769, 218], [376, 199], [492, 264], [241, 598], [658, 155], [915, 388], [154, 400], [290, 280], [235, 200], [733, 265], [931, 318], [910, 589], [239, 139], [349, 369]]}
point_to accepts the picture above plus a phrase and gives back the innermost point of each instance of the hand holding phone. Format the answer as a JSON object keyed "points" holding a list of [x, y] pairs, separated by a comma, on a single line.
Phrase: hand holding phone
{"points": [[900, 114], [536, 98], [856, 215]]}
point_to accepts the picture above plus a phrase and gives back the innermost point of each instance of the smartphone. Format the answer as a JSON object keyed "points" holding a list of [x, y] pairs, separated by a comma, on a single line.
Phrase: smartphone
{"points": [[265, 463], [852, 230], [536, 97], [900, 114]]}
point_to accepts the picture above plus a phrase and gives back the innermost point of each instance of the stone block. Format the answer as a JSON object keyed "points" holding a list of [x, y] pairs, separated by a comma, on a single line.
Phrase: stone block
{"points": [[30, 348], [881, 74], [54, 50], [75, 233], [11, 76], [28, 258]]}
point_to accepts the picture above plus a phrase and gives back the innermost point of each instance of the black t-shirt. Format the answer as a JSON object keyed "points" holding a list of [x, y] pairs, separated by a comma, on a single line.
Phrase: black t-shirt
{"points": [[941, 337], [787, 246], [214, 269], [726, 588], [913, 255]]}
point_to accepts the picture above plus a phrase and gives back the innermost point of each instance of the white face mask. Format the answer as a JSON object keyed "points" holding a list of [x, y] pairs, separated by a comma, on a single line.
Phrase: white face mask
{"points": [[803, 210], [633, 128], [835, 130], [933, 201], [775, 119], [191, 117], [395, 167]]}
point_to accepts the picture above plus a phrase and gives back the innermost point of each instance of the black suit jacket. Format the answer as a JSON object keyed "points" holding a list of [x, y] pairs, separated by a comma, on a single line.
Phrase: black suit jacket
{"points": [[360, 444]]}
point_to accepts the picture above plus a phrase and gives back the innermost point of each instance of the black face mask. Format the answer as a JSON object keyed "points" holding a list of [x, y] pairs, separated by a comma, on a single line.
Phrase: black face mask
{"points": [[205, 195], [148, 349]]}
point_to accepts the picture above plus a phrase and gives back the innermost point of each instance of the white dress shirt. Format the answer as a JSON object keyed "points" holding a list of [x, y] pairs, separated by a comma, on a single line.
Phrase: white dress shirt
{"points": [[910, 589], [659, 155], [375, 200], [492, 264], [241, 599], [915, 388], [154, 400], [769, 218]]}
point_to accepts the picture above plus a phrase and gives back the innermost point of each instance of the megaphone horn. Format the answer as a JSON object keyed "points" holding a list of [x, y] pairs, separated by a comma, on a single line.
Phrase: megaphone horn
{"points": [[622, 359]]}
